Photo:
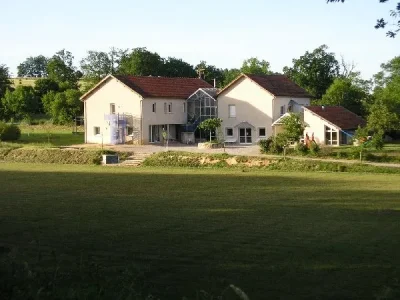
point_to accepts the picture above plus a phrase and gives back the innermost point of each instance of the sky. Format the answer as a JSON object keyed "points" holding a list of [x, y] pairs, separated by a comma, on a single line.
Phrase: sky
{"points": [[221, 32]]}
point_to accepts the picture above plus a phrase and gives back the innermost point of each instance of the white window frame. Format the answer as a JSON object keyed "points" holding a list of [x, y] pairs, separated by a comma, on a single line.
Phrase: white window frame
{"points": [[95, 130], [226, 131], [165, 107], [184, 107], [170, 108], [154, 107], [258, 131], [229, 111], [112, 109], [331, 141]]}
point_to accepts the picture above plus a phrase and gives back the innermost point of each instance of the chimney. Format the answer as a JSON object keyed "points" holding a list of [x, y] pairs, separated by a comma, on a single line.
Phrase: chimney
{"points": [[215, 83], [323, 107]]}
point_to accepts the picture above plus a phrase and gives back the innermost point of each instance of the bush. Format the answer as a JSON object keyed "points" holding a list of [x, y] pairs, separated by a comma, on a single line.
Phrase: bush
{"points": [[9, 132], [301, 148], [314, 148], [377, 141]]}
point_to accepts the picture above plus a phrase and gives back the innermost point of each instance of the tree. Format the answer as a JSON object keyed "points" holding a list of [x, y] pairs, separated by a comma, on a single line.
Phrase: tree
{"points": [[174, 67], [381, 118], [60, 69], [230, 75], [45, 85], [63, 107], [314, 71], [389, 72], [33, 67], [345, 93], [20, 103], [255, 66], [382, 23], [5, 82], [211, 125], [210, 72], [141, 62], [96, 65], [293, 127]]}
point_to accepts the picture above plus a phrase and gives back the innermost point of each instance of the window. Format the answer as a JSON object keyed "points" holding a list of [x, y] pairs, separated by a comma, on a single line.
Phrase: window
{"points": [[165, 107], [129, 130], [96, 130], [154, 107], [184, 107], [262, 132], [170, 107], [283, 110], [229, 131], [331, 136], [232, 111], [112, 108]]}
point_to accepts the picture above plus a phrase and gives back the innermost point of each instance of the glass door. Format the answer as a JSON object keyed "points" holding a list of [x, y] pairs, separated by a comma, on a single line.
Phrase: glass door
{"points": [[245, 136]]}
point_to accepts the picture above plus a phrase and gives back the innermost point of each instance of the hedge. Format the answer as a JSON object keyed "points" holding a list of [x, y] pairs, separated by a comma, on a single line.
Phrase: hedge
{"points": [[49, 155]]}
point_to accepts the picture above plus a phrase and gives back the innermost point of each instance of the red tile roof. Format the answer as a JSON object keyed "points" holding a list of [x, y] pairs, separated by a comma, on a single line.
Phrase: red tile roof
{"points": [[163, 87], [338, 116], [279, 85]]}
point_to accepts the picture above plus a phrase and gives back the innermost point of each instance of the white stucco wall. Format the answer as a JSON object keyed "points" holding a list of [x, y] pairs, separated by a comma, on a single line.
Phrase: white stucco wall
{"points": [[316, 126], [254, 105], [177, 116], [98, 104]]}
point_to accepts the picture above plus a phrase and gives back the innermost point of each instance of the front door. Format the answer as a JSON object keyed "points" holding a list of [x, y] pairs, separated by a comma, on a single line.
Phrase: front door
{"points": [[245, 136]]}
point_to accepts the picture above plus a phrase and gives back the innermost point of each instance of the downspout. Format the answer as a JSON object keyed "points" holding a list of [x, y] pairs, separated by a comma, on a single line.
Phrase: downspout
{"points": [[141, 121], [84, 108], [272, 117]]}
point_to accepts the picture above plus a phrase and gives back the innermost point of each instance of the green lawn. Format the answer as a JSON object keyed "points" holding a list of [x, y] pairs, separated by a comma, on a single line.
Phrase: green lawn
{"points": [[48, 136], [173, 232]]}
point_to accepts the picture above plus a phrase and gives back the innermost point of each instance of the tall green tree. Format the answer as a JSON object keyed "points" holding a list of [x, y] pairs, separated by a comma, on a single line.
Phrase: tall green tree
{"points": [[175, 67], [141, 62], [382, 118], [96, 65], [63, 107], [5, 82], [210, 72], [255, 66], [314, 71], [230, 75], [389, 71], [60, 68], [383, 23], [346, 93], [34, 66], [20, 103]]}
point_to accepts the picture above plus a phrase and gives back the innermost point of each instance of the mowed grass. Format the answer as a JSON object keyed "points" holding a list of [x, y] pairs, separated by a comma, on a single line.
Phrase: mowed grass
{"points": [[276, 235], [47, 136]]}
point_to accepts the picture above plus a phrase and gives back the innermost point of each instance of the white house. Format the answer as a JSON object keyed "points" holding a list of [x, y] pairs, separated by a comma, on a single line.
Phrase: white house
{"points": [[137, 109], [331, 125], [141, 109], [251, 104]]}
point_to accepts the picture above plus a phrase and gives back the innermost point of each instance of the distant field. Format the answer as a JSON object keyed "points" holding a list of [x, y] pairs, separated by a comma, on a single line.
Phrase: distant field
{"points": [[23, 81], [277, 235]]}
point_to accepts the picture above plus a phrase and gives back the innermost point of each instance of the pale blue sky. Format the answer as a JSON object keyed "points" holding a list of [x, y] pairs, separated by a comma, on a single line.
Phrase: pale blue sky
{"points": [[221, 32]]}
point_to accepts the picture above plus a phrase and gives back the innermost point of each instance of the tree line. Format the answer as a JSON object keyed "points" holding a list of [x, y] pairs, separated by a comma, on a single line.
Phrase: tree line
{"points": [[330, 81]]}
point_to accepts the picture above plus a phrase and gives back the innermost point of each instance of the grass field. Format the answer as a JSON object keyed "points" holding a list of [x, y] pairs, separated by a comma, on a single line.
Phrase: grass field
{"points": [[48, 136], [173, 232]]}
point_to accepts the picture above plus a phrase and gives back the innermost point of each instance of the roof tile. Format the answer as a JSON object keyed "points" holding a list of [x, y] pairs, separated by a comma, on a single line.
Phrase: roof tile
{"points": [[163, 87], [279, 85], [339, 116]]}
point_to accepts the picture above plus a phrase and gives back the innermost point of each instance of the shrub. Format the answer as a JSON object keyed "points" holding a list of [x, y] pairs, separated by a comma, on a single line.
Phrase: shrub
{"points": [[274, 144], [377, 141], [9, 132], [265, 145], [314, 148], [301, 148]]}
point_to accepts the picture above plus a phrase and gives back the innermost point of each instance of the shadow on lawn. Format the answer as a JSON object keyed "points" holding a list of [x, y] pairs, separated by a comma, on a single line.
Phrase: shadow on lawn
{"points": [[274, 235]]}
